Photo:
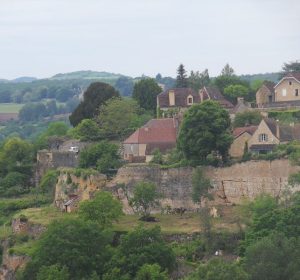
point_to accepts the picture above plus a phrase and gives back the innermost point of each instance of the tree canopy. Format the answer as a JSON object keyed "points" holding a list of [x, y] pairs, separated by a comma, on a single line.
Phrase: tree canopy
{"points": [[204, 130], [145, 92], [145, 197], [79, 246], [247, 118], [95, 96], [118, 118], [103, 209], [181, 79]]}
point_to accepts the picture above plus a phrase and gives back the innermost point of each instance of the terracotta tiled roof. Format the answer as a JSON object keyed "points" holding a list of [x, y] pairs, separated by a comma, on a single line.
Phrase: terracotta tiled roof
{"points": [[240, 130], [181, 95], [214, 94], [155, 131]]}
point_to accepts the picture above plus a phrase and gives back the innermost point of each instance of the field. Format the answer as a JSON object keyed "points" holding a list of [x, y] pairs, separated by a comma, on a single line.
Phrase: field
{"points": [[10, 107]]}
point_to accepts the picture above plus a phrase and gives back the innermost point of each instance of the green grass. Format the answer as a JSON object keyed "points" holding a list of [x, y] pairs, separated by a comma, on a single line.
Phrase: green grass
{"points": [[10, 107], [43, 215], [5, 231], [172, 224]]}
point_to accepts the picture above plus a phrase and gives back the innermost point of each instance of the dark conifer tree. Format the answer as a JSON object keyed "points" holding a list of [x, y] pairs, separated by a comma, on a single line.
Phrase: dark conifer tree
{"points": [[181, 79]]}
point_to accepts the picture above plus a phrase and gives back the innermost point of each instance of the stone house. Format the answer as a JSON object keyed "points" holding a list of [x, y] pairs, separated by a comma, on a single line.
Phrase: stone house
{"points": [[156, 134], [270, 133], [265, 94], [241, 137], [286, 93], [179, 99], [213, 93]]}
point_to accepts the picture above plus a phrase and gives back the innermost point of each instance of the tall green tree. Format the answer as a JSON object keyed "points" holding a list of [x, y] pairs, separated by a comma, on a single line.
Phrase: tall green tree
{"points": [[290, 67], [95, 96], [247, 118], [103, 209], [273, 258], [16, 155], [78, 245], [103, 156], [227, 71], [198, 80], [232, 92], [204, 130], [145, 92], [145, 197], [181, 79], [118, 118], [142, 246], [86, 130]]}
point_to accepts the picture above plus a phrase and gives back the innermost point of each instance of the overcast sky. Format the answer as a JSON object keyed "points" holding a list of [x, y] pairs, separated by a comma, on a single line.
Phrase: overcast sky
{"points": [[43, 37]]}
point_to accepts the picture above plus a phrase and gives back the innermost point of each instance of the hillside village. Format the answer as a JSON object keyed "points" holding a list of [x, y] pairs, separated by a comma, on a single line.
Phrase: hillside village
{"points": [[207, 163]]}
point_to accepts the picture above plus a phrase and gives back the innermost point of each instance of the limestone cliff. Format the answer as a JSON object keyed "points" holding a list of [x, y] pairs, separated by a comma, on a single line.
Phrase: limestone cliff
{"points": [[230, 184], [81, 184]]}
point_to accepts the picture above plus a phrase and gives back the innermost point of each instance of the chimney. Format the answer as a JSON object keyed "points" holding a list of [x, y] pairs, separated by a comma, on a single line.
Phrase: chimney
{"points": [[277, 129], [240, 100], [201, 95]]}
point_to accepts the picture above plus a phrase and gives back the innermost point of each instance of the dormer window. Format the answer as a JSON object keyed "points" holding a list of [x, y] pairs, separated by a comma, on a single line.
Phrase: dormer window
{"points": [[190, 100], [290, 83], [263, 137]]}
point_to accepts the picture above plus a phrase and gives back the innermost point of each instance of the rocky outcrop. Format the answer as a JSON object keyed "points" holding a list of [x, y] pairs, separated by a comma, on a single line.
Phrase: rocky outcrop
{"points": [[230, 184], [11, 263], [23, 226], [71, 185]]}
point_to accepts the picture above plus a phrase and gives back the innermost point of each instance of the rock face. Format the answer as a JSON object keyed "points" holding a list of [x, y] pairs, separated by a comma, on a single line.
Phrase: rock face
{"points": [[231, 184], [82, 187], [21, 225]]}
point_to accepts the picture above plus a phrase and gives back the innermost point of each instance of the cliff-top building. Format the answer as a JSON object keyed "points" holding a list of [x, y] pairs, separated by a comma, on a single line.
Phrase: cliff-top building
{"points": [[286, 93]]}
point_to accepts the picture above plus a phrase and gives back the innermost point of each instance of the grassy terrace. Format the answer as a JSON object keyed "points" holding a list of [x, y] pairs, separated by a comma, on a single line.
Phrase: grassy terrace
{"points": [[170, 224]]}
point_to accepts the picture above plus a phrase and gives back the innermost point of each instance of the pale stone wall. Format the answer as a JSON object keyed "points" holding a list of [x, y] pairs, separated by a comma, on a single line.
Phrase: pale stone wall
{"points": [[237, 147], [262, 96], [231, 184], [290, 90]]}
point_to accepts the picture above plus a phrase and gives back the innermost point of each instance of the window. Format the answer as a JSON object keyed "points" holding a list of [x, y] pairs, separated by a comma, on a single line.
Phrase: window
{"points": [[263, 137], [284, 92], [296, 92], [190, 100], [290, 83]]}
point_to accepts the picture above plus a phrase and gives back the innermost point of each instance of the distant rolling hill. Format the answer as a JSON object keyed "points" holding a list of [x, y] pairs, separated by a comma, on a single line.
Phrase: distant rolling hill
{"points": [[89, 75]]}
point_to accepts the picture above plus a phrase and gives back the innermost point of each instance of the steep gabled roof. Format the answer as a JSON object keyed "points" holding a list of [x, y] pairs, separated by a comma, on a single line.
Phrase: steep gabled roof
{"points": [[271, 123], [214, 94], [295, 75], [154, 131], [269, 85], [238, 131], [181, 95]]}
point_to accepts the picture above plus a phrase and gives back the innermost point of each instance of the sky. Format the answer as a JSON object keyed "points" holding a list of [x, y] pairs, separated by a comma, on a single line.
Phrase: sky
{"points": [[41, 38]]}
